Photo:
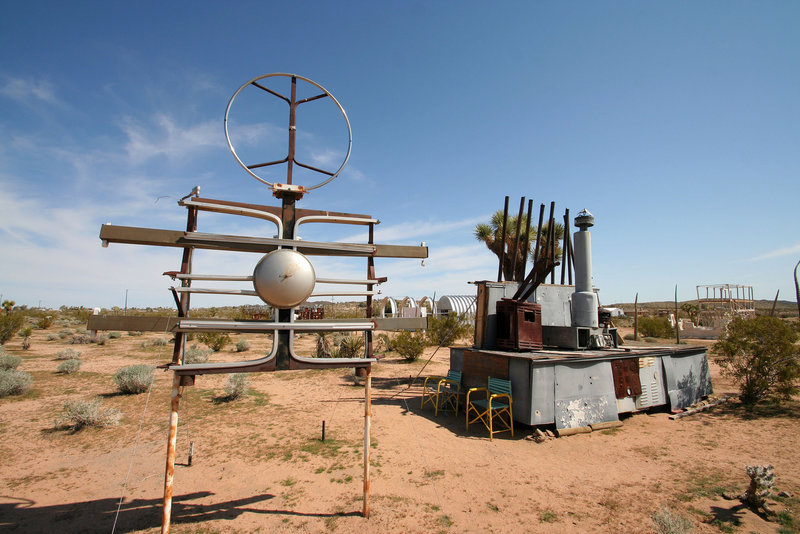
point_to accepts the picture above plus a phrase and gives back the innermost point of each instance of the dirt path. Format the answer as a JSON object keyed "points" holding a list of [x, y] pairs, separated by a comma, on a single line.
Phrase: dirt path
{"points": [[259, 464]]}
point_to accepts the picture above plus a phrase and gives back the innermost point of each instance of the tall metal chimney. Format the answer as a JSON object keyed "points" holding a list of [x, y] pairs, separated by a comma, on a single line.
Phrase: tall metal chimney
{"points": [[584, 300]]}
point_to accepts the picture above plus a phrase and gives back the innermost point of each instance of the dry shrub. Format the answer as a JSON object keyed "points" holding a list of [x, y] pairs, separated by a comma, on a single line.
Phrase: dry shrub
{"points": [[236, 387], [70, 366], [13, 382], [77, 414], [68, 354], [8, 361], [196, 355], [666, 521], [243, 345], [135, 378]]}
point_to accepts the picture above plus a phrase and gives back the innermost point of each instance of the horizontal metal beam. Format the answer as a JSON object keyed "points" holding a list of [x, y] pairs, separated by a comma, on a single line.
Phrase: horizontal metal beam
{"points": [[220, 325], [134, 323], [110, 233]]}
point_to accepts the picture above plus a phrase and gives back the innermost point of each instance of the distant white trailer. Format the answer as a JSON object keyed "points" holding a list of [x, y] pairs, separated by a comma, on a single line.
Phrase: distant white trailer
{"points": [[456, 304]]}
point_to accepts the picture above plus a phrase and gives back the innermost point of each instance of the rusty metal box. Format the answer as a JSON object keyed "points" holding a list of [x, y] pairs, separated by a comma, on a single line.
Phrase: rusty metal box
{"points": [[519, 325]]}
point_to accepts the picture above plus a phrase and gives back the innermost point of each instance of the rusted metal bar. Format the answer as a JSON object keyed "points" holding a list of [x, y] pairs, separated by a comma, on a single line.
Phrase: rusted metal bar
{"points": [[526, 244], [292, 134], [267, 164], [270, 91], [636, 317], [551, 232], [538, 234], [211, 204], [516, 240], [370, 287], [166, 512], [313, 168], [367, 423], [797, 288], [503, 243]]}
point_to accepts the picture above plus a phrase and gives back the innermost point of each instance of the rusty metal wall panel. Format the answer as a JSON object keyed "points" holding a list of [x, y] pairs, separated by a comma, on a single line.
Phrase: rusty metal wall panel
{"points": [[584, 394], [131, 323], [687, 377], [478, 367], [626, 377]]}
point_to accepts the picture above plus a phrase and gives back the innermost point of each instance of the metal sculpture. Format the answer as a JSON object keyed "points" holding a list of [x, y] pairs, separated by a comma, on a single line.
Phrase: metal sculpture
{"points": [[283, 278]]}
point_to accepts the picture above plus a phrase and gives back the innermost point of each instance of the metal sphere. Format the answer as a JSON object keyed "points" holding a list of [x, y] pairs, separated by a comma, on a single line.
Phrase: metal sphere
{"points": [[284, 278]]}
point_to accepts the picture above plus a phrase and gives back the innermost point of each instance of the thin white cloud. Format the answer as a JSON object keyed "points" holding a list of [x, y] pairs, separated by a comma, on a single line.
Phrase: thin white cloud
{"points": [[784, 251], [408, 231], [27, 90], [166, 138]]}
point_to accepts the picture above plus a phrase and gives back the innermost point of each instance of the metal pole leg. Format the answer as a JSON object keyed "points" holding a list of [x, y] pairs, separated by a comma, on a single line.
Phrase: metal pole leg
{"points": [[177, 391], [367, 418]]}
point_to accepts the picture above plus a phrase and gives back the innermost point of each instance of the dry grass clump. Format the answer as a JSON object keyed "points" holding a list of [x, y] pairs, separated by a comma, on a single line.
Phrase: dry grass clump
{"points": [[8, 361], [70, 366], [196, 355], [135, 378], [77, 414], [236, 387], [242, 345], [68, 354], [13, 382], [665, 521]]}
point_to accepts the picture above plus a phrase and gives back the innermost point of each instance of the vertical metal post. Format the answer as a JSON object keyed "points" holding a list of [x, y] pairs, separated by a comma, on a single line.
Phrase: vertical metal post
{"points": [[514, 270], [797, 288], [292, 131], [538, 234], [288, 216], [564, 264], [526, 245], [677, 326], [177, 389], [636, 317], [370, 276], [551, 240], [367, 423], [166, 512], [503, 243]]}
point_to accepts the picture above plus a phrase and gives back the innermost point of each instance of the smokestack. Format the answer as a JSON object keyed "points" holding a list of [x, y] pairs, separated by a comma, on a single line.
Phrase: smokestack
{"points": [[584, 300]]}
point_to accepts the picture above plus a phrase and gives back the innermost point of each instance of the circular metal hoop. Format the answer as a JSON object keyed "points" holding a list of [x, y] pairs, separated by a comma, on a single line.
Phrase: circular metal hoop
{"points": [[326, 93]]}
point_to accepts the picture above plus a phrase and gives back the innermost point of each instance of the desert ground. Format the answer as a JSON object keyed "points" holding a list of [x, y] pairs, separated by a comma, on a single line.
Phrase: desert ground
{"points": [[259, 464]]}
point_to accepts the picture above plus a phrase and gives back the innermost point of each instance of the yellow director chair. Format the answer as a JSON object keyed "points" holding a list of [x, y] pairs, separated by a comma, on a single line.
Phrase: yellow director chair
{"points": [[443, 391], [492, 410]]}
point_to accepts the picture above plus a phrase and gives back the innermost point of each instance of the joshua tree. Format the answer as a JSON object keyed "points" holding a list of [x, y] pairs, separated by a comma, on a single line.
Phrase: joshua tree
{"points": [[490, 234], [8, 305]]}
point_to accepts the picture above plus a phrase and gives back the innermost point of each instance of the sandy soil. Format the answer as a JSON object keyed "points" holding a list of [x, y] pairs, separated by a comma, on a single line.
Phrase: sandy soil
{"points": [[259, 464]]}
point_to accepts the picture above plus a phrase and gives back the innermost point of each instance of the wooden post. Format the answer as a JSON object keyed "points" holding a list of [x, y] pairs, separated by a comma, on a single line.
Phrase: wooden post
{"points": [[636, 317], [166, 512], [367, 422], [774, 302], [503, 243]]}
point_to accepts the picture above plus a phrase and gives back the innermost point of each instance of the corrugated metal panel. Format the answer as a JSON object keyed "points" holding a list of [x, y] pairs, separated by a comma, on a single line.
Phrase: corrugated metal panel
{"points": [[456, 303], [651, 376]]}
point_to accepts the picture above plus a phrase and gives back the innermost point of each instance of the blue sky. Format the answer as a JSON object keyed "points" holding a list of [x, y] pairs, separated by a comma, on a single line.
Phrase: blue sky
{"points": [[677, 124]]}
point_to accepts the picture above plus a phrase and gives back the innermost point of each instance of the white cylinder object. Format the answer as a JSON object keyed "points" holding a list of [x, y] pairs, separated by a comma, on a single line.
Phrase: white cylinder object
{"points": [[584, 300]]}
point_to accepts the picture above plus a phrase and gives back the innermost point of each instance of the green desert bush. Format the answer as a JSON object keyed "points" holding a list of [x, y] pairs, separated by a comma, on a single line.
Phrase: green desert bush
{"points": [[409, 345], [68, 354], [196, 355], [446, 330], [10, 323], [114, 335], [8, 361], [13, 382], [52, 337], [77, 414], [45, 322], [237, 385], [761, 355], [135, 378], [655, 327], [216, 341], [64, 333], [351, 347], [242, 345], [70, 366], [134, 333], [160, 342]]}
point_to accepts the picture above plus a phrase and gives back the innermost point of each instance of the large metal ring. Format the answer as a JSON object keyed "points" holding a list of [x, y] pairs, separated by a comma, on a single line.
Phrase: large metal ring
{"points": [[318, 86]]}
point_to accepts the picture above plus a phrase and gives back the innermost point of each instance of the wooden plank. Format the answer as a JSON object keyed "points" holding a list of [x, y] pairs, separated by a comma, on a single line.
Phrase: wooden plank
{"points": [[479, 366], [175, 238]]}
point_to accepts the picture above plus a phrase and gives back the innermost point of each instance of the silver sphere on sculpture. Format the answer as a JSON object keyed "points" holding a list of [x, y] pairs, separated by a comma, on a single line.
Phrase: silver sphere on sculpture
{"points": [[284, 278]]}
